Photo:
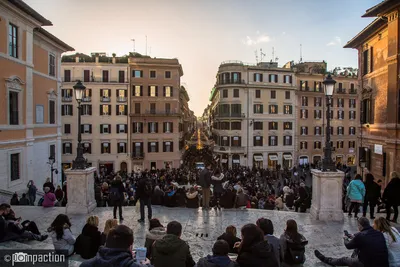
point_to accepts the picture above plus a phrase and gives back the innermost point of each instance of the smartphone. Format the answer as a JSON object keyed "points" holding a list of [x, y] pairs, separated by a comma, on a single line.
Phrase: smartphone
{"points": [[140, 254], [346, 233]]}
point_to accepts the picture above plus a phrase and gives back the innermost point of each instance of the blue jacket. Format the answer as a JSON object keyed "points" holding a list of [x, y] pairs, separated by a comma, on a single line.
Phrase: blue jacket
{"points": [[112, 257], [356, 191]]}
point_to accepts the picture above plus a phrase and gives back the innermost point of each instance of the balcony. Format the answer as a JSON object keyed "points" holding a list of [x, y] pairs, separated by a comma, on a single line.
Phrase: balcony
{"points": [[67, 98], [87, 99], [353, 91], [93, 80], [105, 99], [229, 149], [138, 155], [231, 81], [230, 115], [156, 113], [121, 99], [341, 91]]}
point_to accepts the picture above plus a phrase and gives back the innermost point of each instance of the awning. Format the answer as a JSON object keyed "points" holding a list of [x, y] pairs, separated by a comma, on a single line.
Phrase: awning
{"points": [[287, 157], [273, 157], [236, 161], [258, 158], [224, 160]]}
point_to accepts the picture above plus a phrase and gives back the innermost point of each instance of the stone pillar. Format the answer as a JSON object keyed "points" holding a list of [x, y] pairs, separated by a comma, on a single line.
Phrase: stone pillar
{"points": [[80, 191], [327, 195]]}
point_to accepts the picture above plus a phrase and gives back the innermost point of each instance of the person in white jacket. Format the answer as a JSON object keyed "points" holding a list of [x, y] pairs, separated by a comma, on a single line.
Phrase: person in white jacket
{"points": [[63, 239], [218, 189], [392, 237]]}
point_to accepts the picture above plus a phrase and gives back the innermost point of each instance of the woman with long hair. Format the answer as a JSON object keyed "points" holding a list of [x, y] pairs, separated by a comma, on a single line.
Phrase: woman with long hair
{"points": [[156, 232], [60, 231], [293, 245], [392, 237], [110, 224], [217, 179], [230, 237], [356, 194], [254, 251]]}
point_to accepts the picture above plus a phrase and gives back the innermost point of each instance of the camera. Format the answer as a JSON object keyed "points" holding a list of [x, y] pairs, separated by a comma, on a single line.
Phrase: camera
{"points": [[20, 257]]}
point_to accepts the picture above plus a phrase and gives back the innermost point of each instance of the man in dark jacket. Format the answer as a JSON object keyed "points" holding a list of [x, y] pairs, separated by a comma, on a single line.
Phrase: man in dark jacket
{"points": [[117, 252], [370, 245], [143, 193], [171, 250], [219, 258], [205, 182], [391, 196], [116, 194], [372, 194]]}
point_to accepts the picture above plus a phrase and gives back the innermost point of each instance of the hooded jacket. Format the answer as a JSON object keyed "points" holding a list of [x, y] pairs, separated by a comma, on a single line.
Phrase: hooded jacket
{"points": [[217, 182], [87, 244], [112, 257], [216, 261], [356, 191], [259, 255], [152, 236], [171, 251]]}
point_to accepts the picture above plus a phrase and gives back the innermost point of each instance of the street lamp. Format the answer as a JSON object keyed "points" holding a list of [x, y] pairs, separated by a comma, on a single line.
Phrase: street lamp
{"points": [[363, 163], [80, 162], [52, 160], [327, 162]]}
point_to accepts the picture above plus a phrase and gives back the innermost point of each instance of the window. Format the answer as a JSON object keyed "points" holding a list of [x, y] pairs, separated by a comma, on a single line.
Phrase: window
{"points": [[86, 128], [317, 101], [352, 103], [287, 94], [303, 145], [105, 76], [122, 147], [272, 125], [121, 95], [258, 125], [152, 127], [137, 127], [52, 65], [168, 127], [273, 140], [137, 108], [122, 128], [304, 130], [87, 95], [236, 125], [258, 93], [168, 147], [152, 147], [273, 109], [287, 79], [236, 77], [167, 75], [13, 40], [67, 75], [52, 151], [122, 110], [168, 91], [67, 148], [86, 110], [273, 78], [317, 145], [137, 90], [153, 90], [235, 92], [273, 94], [137, 73], [317, 130], [340, 114], [105, 95], [66, 110], [340, 130], [257, 140], [331, 129], [340, 89], [352, 114], [304, 86], [352, 144], [236, 141], [224, 141], [87, 148], [317, 114], [153, 74], [287, 140], [331, 114], [340, 102], [303, 113], [236, 110], [105, 128], [137, 149], [339, 144], [121, 76], [152, 108], [352, 130], [224, 125], [367, 60], [258, 77], [225, 93], [105, 148], [13, 108], [367, 111], [258, 109], [287, 125], [67, 128], [167, 108], [15, 165], [105, 110], [304, 101], [86, 76], [287, 109], [317, 86]]}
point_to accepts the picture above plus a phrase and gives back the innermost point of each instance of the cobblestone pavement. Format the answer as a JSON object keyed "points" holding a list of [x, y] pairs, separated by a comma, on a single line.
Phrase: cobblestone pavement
{"points": [[325, 236]]}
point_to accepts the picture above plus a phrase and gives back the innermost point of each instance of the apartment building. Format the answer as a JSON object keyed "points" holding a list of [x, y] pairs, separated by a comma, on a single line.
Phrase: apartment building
{"points": [[30, 121], [105, 109], [378, 60], [311, 114], [253, 116], [155, 112]]}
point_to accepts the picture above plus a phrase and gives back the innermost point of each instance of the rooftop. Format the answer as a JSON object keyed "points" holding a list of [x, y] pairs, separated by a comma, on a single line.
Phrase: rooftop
{"points": [[31, 12], [381, 8], [366, 32]]}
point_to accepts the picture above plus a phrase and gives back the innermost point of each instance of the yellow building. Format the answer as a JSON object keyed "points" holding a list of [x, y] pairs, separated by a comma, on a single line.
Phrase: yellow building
{"points": [[30, 118]]}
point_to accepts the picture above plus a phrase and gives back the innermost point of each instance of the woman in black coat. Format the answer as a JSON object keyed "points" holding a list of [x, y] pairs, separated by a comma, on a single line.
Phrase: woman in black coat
{"points": [[216, 180], [372, 194], [88, 242], [391, 196]]}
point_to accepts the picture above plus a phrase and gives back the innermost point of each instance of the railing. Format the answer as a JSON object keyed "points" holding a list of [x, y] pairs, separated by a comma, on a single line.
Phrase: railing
{"points": [[67, 99], [121, 99], [229, 149], [94, 80], [105, 99], [341, 91], [86, 99], [230, 115], [138, 155], [353, 91], [230, 81]]}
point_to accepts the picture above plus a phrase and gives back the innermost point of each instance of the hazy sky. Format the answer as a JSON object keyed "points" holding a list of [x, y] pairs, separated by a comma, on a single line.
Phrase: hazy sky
{"points": [[203, 33]]}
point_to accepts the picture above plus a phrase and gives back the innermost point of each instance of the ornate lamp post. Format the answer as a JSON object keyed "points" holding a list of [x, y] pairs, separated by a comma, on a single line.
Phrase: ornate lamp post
{"points": [[363, 163], [51, 162], [327, 163], [80, 162]]}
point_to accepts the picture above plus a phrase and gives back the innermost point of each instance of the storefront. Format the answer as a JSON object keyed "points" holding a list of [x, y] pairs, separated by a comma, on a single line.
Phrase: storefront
{"points": [[351, 160], [317, 160], [224, 161], [339, 159], [272, 161], [235, 161], [287, 160], [303, 160], [258, 161], [105, 168]]}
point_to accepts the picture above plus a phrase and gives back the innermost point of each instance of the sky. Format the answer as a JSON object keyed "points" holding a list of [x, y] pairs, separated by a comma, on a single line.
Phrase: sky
{"points": [[202, 34]]}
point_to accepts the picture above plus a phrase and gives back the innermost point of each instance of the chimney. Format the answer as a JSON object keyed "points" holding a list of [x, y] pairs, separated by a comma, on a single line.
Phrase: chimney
{"points": [[97, 58], [114, 60], [77, 59]]}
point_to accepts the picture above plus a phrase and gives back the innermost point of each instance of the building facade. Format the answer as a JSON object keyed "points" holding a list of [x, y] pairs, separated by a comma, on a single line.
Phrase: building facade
{"points": [[378, 59], [155, 112], [253, 115], [105, 120], [311, 115], [30, 121]]}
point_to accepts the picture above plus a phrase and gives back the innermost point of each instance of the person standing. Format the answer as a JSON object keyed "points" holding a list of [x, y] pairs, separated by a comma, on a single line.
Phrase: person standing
{"points": [[117, 196], [217, 179], [205, 182], [49, 184], [391, 196], [372, 194], [31, 192], [356, 194], [143, 193]]}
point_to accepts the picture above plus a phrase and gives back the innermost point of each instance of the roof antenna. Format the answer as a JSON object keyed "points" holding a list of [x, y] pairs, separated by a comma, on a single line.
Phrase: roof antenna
{"points": [[262, 54], [133, 40], [301, 53], [273, 53], [146, 45], [255, 52]]}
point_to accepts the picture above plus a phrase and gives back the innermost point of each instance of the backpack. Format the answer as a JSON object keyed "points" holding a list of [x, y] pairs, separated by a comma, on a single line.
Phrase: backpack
{"points": [[148, 187], [114, 194], [295, 252], [40, 202]]}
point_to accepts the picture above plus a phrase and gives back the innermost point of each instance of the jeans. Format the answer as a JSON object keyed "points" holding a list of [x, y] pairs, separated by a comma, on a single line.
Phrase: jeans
{"points": [[32, 199], [372, 205], [206, 197], [346, 261], [354, 206], [147, 202], [396, 211], [119, 205]]}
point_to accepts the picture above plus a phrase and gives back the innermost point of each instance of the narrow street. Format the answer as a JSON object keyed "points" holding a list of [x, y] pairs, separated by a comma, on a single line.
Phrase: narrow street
{"points": [[197, 149]]}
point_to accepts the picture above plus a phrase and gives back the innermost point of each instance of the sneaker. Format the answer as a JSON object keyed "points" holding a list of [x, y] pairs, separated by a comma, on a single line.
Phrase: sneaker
{"points": [[372, 217], [43, 238], [140, 221], [121, 218], [322, 258]]}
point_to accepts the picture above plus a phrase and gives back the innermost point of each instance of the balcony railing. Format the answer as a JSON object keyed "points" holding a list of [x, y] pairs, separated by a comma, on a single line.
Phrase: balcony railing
{"points": [[121, 99], [153, 112], [94, 80], [67, 98], [229, 149], [105, 99], [86, 99], [230, 115], [341, 91], [231, 81], [353, 91], [138, 155]]}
